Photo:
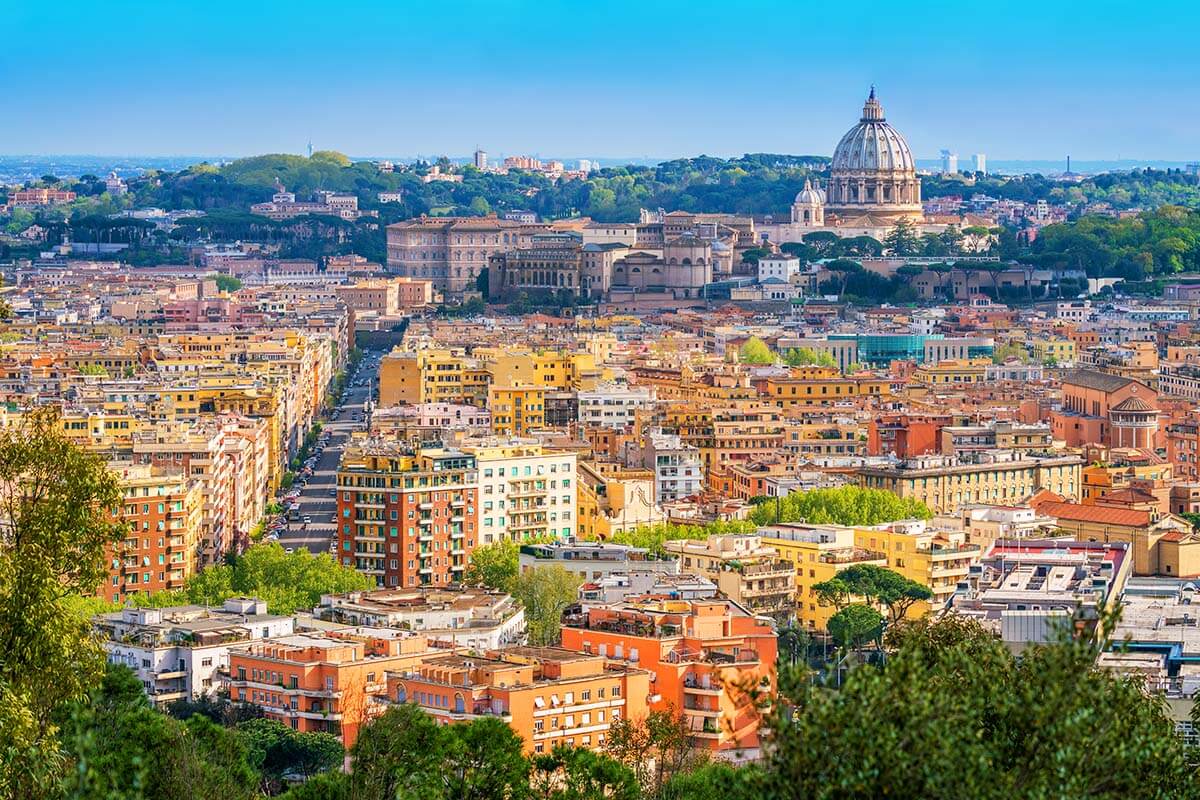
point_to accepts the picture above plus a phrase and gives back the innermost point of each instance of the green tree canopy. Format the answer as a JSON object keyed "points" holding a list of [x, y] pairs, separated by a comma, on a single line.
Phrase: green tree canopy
{"points": [[494, 566], [545, 592], [953, 713], [755, 351], [56, 526], [855, 625], [845, 505], [287, 581]]}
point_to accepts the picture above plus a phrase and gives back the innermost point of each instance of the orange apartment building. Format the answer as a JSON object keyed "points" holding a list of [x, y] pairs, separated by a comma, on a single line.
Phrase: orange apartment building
{"points": [[160, 550], [407, 519], [549, 695], [328, 682], [699, 651], [906, 435]]}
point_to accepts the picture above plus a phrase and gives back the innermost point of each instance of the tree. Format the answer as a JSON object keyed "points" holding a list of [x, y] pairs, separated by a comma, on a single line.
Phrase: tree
{"points": [[879, 586], [227, 283], [755, 351], [120, 747], [480, 207], [954, 714], [56, 527], [277, 751], [570, 773], [655, 748], [902, 240], [716, 780], [845, 505], [484, 760], [287, 581], [494, 566], [399, 756], [855, 625], [545, 592]]}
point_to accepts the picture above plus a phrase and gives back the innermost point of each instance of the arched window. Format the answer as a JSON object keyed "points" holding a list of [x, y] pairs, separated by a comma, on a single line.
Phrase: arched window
{"points": [[458, 703], [401, 694]]}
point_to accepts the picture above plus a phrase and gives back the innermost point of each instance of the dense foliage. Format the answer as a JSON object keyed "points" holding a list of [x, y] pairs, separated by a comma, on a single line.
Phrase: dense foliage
{"points": [[544, 592], [1160, 242], [652, 537], [845, 505], [953, 713], [289, 582], [56, 527]]}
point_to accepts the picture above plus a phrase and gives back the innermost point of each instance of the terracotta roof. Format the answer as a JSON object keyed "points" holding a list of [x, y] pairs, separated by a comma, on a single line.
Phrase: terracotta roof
{"points": [[1092, 379], [1174, 536], [1103, 515]]}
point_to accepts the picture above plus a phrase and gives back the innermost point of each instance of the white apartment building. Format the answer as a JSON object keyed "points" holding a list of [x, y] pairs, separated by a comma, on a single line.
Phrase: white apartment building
{"points": [[780, 266], [476, 618], [612, 406], [678, 468], [176, 652], [525, 491]]}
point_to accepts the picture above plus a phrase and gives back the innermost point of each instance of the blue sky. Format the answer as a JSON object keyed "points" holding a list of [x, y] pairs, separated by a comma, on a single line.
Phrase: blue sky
{"points": [[606, 79]]}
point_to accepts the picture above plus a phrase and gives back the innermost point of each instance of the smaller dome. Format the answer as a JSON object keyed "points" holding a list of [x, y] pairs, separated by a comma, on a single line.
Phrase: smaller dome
{"points": [[1135, 404], [809, 196]]}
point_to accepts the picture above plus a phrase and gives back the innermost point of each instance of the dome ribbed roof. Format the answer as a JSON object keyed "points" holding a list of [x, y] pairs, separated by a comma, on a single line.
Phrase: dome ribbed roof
{"points": [[1133, 404], [873, 144], [808, 195]]}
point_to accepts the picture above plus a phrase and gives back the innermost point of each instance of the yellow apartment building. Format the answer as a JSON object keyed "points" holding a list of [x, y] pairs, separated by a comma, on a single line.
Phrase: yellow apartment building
{"points": [[821, 386], [517, 410], [945, 484], [966, 372], [818, 554]]}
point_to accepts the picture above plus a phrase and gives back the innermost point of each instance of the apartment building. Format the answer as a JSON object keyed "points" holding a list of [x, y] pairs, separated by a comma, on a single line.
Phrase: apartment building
{"points": [[378, 295], [996, 435], [517, 410], [526, 491], [612, 406], [939, 559], [475, 618], [816, 553], [323, 682], [228, 456], [550, 696], [178, 652], [160, 550], [944, 484], [593, 561], [432, 376], [407, 518], [699, 651], [678, 469], [745, 569], [1027, 591]]}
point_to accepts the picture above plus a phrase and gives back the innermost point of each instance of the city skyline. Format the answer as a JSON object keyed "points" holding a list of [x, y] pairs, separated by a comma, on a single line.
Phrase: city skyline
{"points": [[533, 78]]}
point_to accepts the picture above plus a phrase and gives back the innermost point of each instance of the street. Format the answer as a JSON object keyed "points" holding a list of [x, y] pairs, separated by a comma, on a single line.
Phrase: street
{"points": [[318, 500]]}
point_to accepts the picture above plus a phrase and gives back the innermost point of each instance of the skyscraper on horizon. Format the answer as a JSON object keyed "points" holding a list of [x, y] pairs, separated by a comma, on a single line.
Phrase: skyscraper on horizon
{"points": [[979, 162], [949, 162]]}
